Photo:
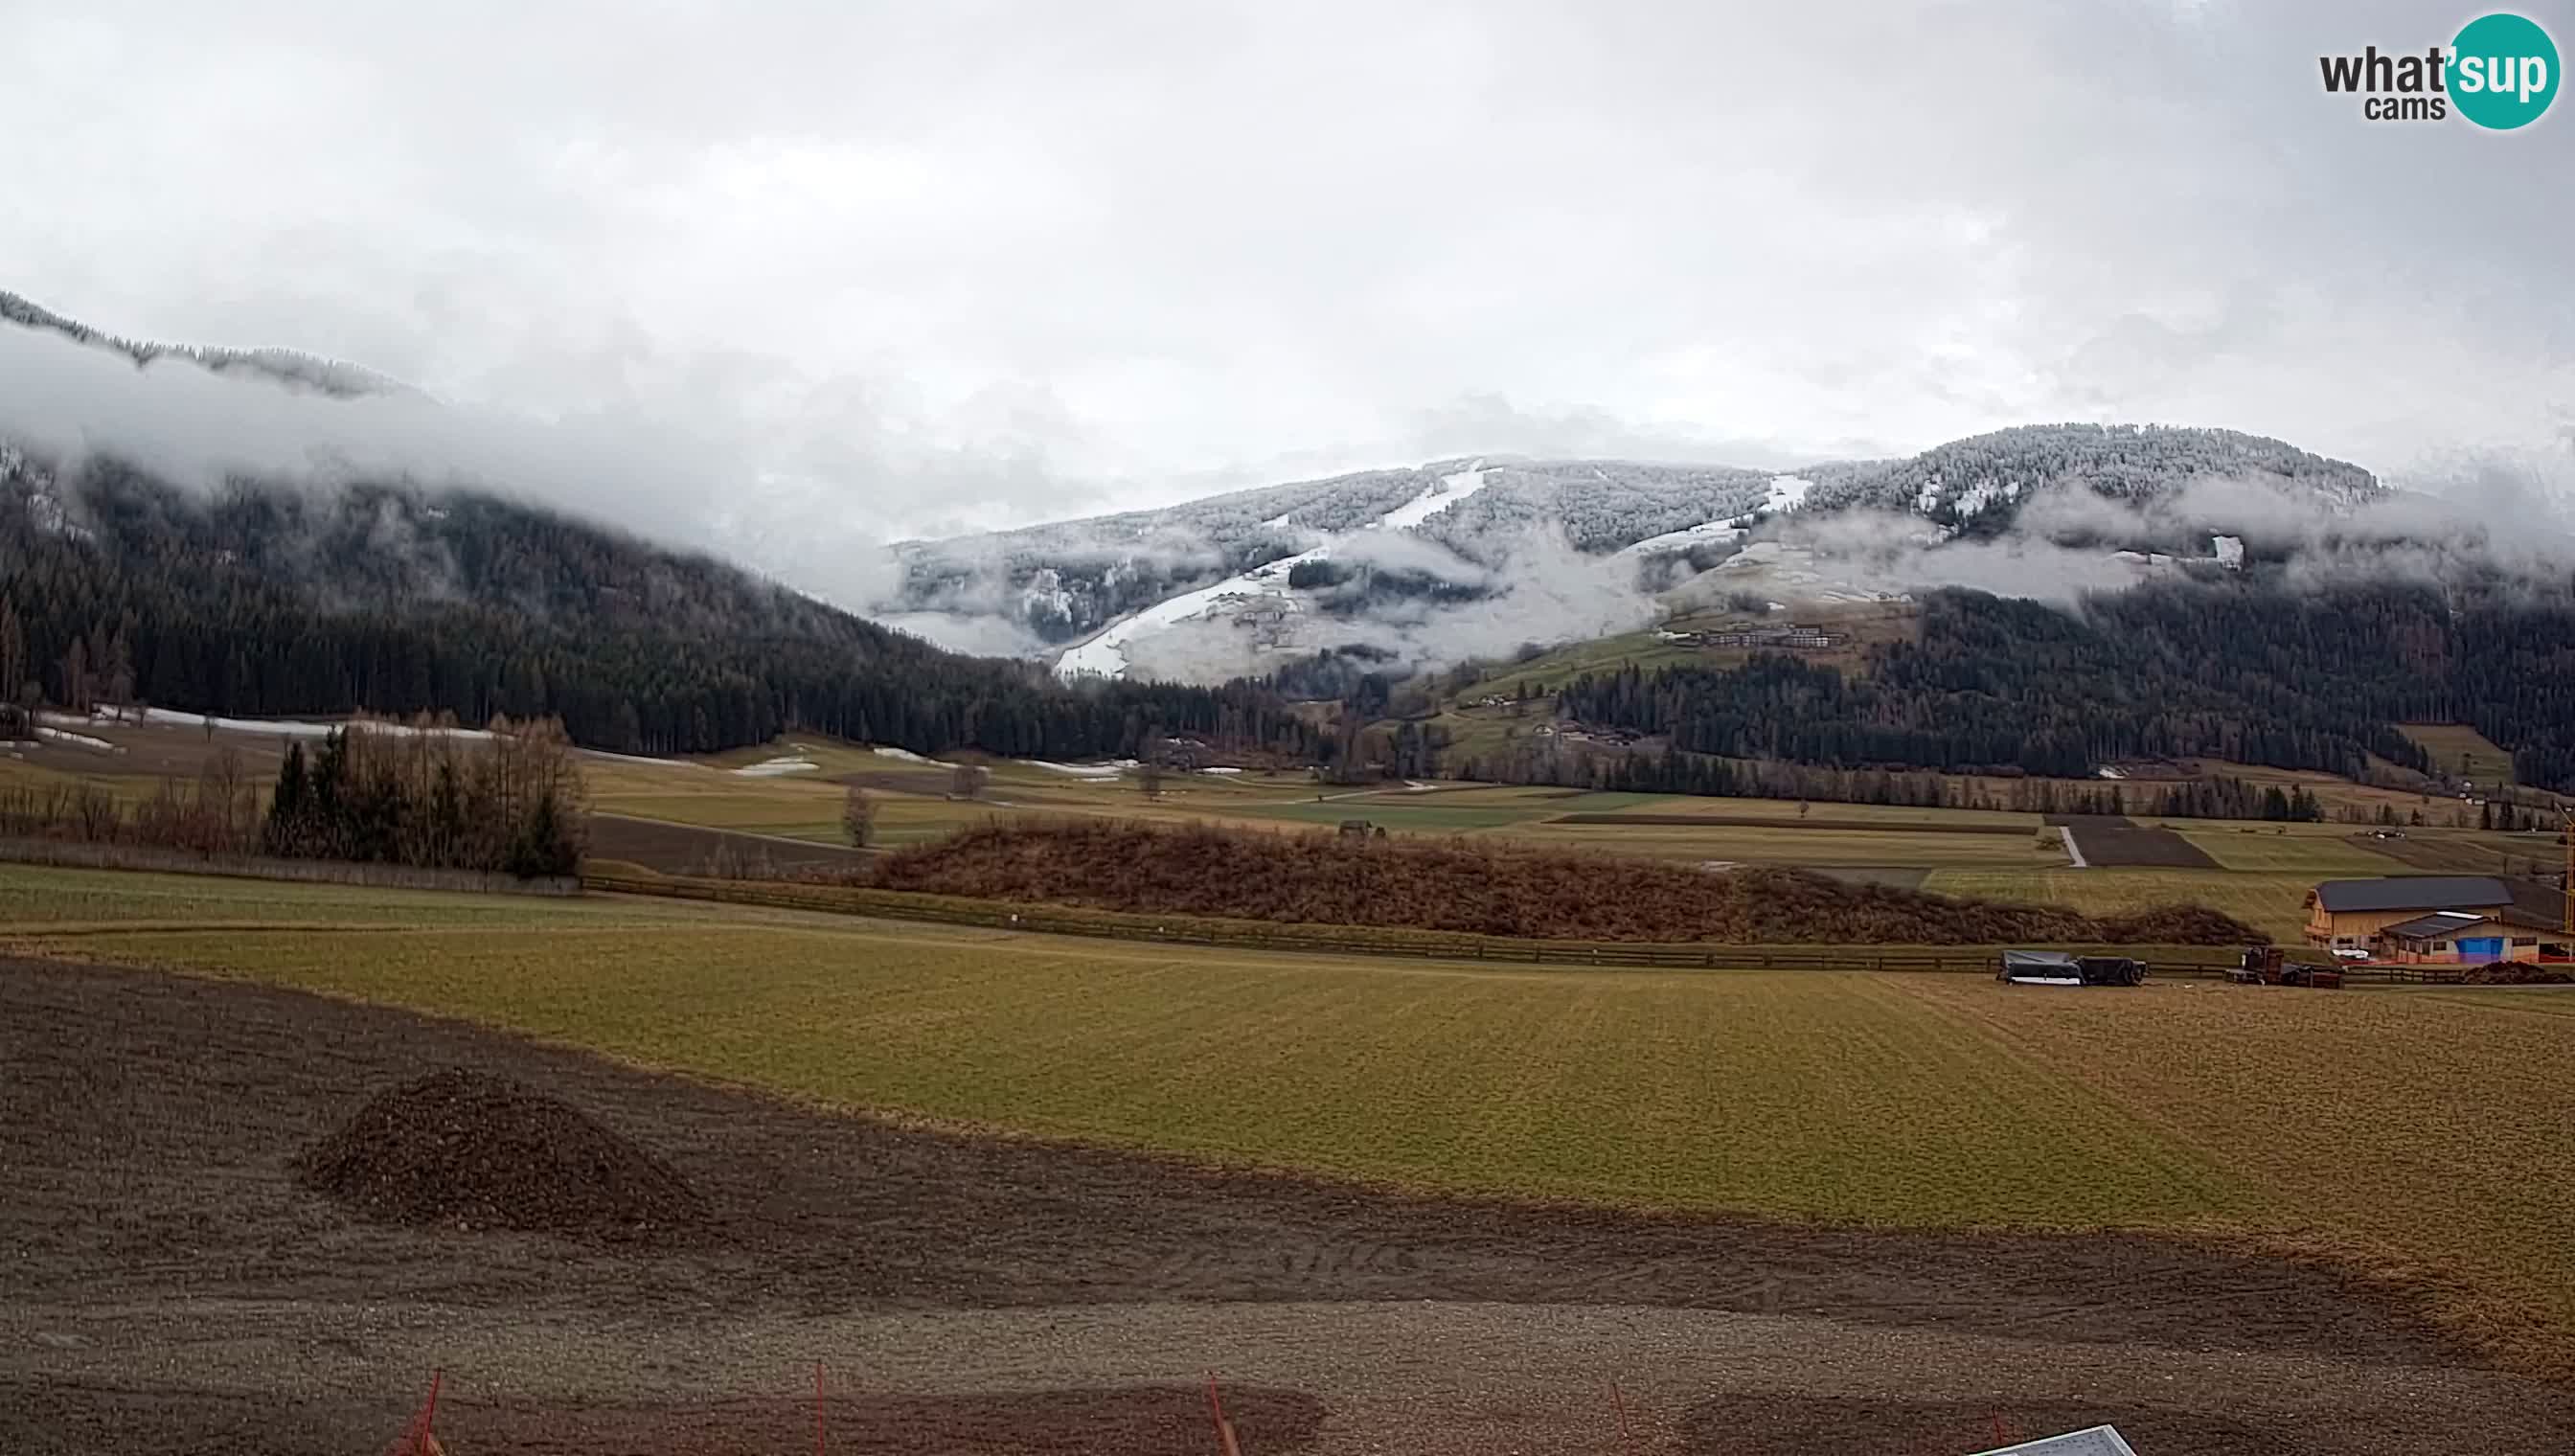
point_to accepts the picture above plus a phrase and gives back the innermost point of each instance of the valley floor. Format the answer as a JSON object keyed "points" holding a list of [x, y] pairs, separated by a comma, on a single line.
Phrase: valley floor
{"points": [[175, 1290]]}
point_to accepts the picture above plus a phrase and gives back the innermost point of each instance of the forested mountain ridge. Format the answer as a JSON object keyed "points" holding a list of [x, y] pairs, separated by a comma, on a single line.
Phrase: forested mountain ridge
{"points": [[1980, 485], [1062, 582], [1616, 528], [2240, 670], [277, 366], [256, 601]]}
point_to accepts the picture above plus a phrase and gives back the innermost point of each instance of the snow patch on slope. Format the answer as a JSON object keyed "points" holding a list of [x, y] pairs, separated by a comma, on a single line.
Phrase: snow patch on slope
{"points": [[1447, 491], [1787, 493], [1104, 653]]}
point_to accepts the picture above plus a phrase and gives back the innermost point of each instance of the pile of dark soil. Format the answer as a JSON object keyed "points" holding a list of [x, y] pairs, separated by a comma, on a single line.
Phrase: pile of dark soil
{"points": [[2515, 973], [472, 1151]]}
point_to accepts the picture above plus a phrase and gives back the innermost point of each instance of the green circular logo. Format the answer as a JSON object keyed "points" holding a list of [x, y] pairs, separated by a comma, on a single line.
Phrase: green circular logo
{"points": [[2502, 72]]}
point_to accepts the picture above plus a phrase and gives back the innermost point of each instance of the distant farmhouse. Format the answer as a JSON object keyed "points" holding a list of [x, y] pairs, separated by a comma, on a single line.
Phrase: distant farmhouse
{"points": [[2446, 936], [1792, 639]]}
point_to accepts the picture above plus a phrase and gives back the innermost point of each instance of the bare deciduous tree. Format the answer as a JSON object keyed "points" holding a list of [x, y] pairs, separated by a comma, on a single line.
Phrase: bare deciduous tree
{"points": [[857, 816]]}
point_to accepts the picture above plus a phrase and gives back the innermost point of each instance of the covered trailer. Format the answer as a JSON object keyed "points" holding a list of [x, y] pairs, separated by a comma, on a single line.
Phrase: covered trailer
{"points": [[2040, 969], [2058, 968]]}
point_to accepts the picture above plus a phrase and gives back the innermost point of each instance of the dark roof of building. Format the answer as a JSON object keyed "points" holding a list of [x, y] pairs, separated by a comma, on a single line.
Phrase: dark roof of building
{"points": [[2413, 892], [2445, 924]]}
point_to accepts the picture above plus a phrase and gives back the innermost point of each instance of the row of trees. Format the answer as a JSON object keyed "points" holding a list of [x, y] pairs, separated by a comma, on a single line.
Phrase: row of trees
{"points": [[509, 802], [216, 813], [506, 800]]}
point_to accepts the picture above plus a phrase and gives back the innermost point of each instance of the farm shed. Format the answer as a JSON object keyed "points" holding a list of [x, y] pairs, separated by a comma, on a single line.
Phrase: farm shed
{"points": [[2458, 938], [2349, 914]]}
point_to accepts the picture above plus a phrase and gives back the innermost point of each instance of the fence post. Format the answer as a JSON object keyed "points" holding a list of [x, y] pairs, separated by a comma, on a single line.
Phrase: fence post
{"points": [[1223, 1428]]}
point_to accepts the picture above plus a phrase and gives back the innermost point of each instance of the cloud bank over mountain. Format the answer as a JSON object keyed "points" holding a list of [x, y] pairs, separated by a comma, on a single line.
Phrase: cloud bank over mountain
{"points": [[924, 271]]}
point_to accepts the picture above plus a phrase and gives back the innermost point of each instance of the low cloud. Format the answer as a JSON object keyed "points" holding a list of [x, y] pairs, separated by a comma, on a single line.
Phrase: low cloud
{"points": [[775, 473]]}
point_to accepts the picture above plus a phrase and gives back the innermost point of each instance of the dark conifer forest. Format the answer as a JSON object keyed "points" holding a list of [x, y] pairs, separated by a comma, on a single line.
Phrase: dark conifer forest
{"points": [[260, 602], [2249, 672]]}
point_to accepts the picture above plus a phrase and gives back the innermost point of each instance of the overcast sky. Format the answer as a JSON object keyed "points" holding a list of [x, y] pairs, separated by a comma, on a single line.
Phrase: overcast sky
{"points": [[919, 268]]}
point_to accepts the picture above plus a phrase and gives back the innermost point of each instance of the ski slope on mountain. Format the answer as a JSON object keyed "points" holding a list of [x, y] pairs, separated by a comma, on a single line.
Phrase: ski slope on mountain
{"points": [[1787, 493], [1107, 654]]}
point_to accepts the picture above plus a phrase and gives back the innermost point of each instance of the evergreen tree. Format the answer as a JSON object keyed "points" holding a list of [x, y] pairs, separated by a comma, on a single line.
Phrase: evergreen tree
{"points": [[289, 806]]}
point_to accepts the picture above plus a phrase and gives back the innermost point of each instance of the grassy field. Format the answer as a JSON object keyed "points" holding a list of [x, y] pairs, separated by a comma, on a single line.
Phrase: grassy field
{"points": [[1636, 1087], [1768, 809], [2429, 1125], [1767, 845], [41, 900], [2459, 749], [2398, 1127], [2319, 852], [2271, 869], [2272, 901]]}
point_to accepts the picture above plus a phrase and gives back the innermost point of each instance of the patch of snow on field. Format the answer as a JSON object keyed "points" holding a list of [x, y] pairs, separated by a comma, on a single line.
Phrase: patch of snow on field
{"points": [[904, 755], [1281, 519], [776, 768], [1220, 770], [295, 727], [642, 758], [1083, 771], [79, 740]]}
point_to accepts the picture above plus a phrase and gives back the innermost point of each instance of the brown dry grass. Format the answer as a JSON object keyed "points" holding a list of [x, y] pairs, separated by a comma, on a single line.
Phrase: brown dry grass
{"points": [[1481, 888]]}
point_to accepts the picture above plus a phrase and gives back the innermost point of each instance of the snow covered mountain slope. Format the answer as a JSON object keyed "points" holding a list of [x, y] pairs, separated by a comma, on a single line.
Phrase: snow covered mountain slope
{"points": [[1478, 556], [1982, 485], [1107, 653], [1394, 563]]}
